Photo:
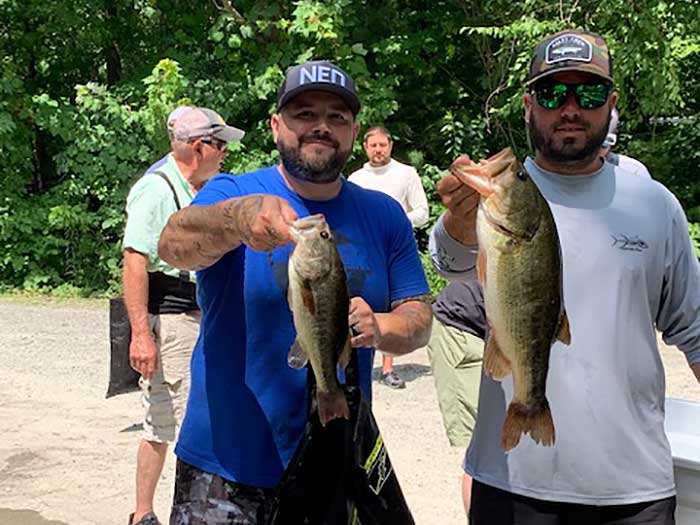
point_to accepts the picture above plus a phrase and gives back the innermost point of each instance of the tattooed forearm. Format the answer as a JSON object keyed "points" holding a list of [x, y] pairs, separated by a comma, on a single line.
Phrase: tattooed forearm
{"points": [[240, 214], [198, 236], [406, 327], [418, 317]]}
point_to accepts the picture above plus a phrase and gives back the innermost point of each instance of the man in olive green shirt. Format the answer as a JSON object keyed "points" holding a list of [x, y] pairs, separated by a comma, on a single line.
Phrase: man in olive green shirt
{"points": [[162, 342]]}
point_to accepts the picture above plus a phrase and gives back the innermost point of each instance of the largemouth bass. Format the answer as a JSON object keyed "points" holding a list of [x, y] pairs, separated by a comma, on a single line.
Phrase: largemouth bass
{"points": [[520, 269], [318, 299]]}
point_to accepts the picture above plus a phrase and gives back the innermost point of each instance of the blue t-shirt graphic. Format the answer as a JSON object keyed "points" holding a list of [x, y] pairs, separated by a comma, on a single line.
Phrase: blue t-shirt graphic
{"points": [[247, 408]]}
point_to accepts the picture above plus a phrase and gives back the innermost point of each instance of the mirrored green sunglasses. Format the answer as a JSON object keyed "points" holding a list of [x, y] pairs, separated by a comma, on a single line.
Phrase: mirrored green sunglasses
{"points": [[587, 95]]}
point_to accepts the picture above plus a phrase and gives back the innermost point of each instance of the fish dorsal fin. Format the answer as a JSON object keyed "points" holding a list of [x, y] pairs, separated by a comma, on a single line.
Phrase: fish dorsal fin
{"points": [[297, 358], [345, 352], [564, 331], [496, 364]]}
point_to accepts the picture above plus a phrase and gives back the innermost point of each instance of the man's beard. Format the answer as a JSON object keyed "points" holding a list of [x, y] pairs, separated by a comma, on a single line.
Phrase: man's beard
{"points": [[566, 151], [318, 170]]}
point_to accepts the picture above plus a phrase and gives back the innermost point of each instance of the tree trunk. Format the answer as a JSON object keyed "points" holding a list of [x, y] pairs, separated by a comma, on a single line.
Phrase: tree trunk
{"points": [[111, 49]]}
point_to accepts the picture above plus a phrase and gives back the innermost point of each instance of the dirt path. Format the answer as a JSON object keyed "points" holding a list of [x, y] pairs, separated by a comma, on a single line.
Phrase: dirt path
{"points": [[67, 454]]}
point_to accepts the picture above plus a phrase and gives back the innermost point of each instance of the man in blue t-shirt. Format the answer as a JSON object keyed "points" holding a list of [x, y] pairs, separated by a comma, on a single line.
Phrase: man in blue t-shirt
{"points": [[247, 408]]}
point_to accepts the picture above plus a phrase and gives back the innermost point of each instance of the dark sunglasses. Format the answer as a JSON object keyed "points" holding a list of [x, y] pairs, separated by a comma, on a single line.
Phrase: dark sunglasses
{"points": [[214, 143], [553, 95]]}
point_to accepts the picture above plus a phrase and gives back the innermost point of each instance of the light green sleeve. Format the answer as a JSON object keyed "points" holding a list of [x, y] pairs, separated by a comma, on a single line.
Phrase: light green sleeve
{"points": [[148, 206]]}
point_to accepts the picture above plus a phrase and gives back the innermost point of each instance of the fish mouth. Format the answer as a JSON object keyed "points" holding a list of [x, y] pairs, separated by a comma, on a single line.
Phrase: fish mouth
{"points": [[480, 176], [309, 221], [306, 226], [502, 229]]}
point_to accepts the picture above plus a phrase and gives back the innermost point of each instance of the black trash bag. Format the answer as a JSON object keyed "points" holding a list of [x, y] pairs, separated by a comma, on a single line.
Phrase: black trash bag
{"points": [[340, 474], [378, 495], [314, 485], [122, 378]]}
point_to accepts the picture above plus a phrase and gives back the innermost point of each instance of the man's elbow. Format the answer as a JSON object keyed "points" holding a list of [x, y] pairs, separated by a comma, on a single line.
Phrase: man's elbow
{"points": [[418, 214], [421, 219], [424, 335]]}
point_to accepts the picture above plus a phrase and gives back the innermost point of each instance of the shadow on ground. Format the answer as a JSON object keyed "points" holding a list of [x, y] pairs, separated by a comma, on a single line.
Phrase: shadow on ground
{"points": [[136, 427], [25, 517], [408, 372]]}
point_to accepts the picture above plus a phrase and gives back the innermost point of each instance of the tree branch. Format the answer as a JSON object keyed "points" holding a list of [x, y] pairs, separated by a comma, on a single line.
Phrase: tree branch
{"points": [[227, 5], [502, 85]]}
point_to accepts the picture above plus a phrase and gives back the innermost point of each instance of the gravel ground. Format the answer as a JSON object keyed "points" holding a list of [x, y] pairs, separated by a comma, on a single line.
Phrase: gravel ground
{"points": [[67, 455]]}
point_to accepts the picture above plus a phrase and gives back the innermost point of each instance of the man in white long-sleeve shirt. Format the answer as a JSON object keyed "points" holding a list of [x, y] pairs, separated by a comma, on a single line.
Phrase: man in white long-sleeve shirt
{"points": [[400, 181], [628, 271]]}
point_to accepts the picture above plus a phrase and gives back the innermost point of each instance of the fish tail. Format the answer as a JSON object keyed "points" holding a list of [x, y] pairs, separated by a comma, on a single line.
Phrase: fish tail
{"points": [[332, 406], [522, 419]]}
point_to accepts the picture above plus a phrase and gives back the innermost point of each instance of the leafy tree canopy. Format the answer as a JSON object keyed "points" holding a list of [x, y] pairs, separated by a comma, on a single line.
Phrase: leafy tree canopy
{"points": [[86, 88]]}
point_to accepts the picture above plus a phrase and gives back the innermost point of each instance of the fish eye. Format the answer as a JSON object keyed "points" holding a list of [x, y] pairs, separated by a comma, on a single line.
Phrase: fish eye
{"points": [[522, 175], [324, 235]]}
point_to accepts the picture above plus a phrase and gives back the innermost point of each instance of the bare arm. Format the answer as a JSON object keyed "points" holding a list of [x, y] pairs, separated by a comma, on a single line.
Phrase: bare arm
{"points": [[398, 332], [142, 349], [405, 328], [198, 236]]}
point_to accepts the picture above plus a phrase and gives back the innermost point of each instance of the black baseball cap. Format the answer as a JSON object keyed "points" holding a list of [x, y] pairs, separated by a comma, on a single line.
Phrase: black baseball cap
{"points": [[318, 75]]}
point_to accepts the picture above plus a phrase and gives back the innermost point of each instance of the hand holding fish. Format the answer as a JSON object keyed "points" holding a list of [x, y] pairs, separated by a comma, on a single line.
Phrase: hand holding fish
{"points": [[461, 202], [197, 236], [363, 324]]}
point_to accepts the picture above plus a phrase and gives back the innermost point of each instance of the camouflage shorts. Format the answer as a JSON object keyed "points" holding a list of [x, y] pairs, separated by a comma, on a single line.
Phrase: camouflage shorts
{"points": [[202, 498]]}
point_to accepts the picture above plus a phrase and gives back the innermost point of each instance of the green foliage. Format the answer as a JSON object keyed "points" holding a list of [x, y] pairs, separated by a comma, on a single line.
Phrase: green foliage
{"points": [[694, 229], [86, 88], [69, 234]]}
